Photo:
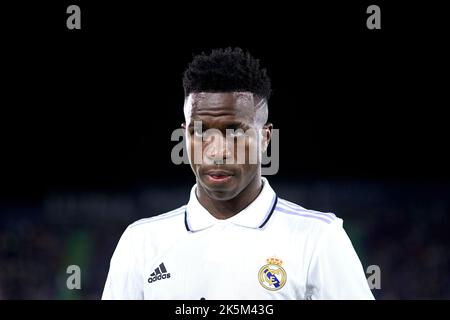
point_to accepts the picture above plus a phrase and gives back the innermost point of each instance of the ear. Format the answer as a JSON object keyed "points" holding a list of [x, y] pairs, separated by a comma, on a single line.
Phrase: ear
{"points": [[266, 136]]}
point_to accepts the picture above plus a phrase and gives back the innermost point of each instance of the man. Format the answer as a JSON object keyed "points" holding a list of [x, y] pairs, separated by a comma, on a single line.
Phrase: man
{"points": [[235, 239]]}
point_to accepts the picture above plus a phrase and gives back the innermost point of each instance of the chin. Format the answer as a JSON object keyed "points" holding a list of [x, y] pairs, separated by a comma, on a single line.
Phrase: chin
{"points": [[221, 194]]}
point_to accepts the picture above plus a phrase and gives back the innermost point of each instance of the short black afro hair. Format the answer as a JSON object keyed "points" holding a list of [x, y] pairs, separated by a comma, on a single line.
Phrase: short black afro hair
{"points": [[226, 70]]}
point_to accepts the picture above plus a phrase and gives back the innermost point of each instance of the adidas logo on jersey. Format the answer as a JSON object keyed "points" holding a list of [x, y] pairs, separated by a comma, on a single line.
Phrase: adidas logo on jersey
{"points": [[159, 274]]}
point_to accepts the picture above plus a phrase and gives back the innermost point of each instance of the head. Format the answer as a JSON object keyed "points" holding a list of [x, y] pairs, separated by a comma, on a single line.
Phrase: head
{"points": [[226, 94]]}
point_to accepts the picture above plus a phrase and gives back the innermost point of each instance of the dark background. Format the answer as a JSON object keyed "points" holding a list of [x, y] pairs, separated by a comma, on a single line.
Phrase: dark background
{"points": [[87, 117]]}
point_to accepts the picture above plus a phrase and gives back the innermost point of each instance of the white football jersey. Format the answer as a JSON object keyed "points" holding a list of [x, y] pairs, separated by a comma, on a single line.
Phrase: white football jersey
{"points": [[273, 249]]}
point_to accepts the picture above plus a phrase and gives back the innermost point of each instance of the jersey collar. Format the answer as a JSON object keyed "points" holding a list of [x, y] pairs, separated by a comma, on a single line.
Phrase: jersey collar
{"points": [[254, 215]]}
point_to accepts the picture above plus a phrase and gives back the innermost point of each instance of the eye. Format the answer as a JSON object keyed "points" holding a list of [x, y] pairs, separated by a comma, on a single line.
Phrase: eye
{"points": [[198, 133], [237, 133], [193, 131]]}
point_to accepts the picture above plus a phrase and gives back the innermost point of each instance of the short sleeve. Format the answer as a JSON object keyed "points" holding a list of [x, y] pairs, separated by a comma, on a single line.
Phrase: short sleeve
{"points": [[124, 281], [335, 271]]}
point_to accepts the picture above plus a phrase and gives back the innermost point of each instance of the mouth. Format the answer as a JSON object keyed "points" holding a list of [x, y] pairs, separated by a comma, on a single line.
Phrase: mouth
{"points": [[219, 176]]}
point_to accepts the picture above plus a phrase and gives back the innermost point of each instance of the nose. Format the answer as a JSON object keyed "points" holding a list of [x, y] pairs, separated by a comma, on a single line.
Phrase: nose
{"points": [[218, 149]]}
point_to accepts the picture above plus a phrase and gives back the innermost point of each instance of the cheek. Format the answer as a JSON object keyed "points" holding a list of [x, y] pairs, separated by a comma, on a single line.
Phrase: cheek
{"points": [[251, 150], [246, 152], [196, 150], [190, 145]]}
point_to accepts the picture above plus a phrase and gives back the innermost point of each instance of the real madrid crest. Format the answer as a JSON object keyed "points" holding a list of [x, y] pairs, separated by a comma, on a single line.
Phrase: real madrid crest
{"points": [[272, 275]]}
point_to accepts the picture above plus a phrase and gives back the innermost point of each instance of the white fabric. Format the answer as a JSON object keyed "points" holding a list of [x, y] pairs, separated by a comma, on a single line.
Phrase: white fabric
{"points": [[221, 259]]}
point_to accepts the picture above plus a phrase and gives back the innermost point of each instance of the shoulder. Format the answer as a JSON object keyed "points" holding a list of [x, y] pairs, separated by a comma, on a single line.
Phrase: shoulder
{"points": [[323, 229], [150, 233], [294, 213], [161, 221]]}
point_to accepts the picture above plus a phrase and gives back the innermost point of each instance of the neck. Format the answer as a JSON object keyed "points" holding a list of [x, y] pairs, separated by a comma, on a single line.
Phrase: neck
{"points": [[224, 209]]}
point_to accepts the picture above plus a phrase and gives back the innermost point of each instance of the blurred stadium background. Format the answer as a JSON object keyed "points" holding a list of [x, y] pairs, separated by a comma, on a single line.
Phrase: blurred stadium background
{"points": [[87, 118], [403, 228]]}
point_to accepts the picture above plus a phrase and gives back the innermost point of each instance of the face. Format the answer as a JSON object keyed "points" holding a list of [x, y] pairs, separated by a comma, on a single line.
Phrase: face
{"points": [[225, 153]]}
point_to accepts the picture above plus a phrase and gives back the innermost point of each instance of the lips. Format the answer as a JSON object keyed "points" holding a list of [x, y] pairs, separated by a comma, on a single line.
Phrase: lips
{"points": [[219, 175]]}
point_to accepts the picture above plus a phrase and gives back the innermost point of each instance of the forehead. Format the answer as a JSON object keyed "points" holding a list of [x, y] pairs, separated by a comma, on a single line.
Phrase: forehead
{"points": [[237, 105]]}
